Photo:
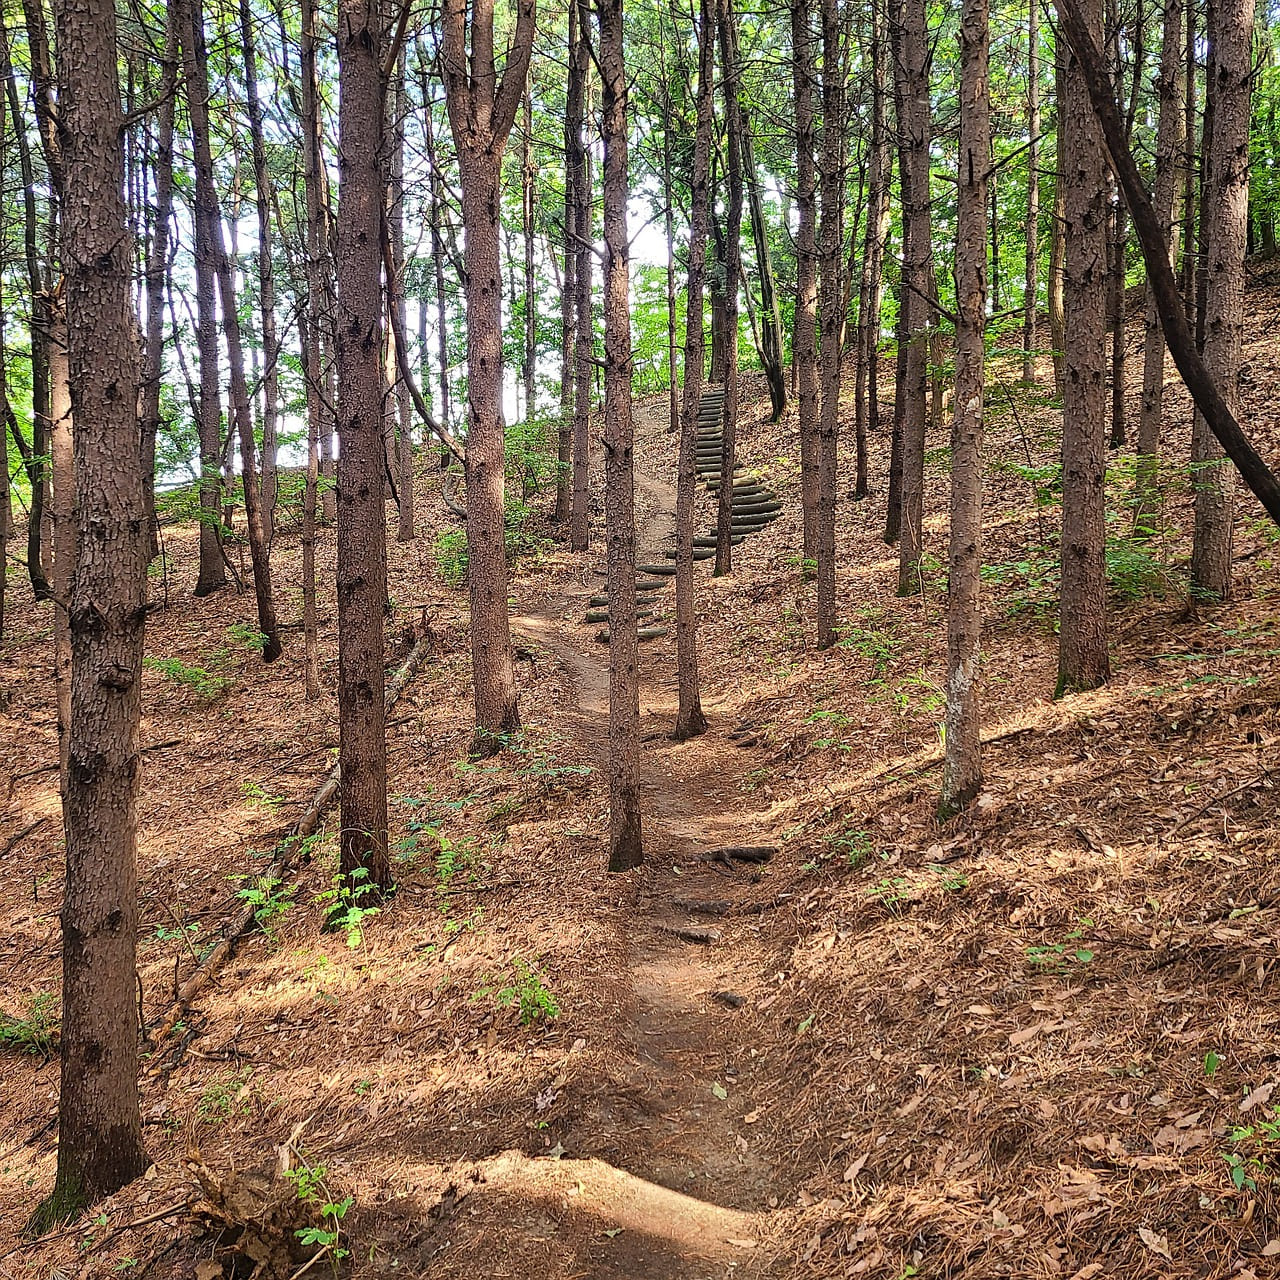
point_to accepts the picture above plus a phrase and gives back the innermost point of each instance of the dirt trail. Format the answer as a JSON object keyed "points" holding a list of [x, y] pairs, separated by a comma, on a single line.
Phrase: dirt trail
{"points": [[687, 1084]]}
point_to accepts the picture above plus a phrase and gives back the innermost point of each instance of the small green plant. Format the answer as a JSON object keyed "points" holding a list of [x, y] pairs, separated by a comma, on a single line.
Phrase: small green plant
{"points": [[1211, 1064], [1062, 956], [311, 1187], [876, 646], [269, 898], [206, 684], [36, 1033], [892, 892], [529, 993], [451, 557], [247, 637], [347, 906], [258, 797], [854, 847], [223, 1098], [1256, 1147]]}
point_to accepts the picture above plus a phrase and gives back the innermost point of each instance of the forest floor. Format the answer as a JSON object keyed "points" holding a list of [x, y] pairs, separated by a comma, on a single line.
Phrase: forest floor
{"points": [[1038, 1041]]}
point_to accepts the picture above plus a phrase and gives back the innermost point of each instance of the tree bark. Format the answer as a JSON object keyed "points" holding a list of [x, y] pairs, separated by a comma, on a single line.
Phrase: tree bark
{"points": [[962, 765], [569, 282], [584, 340], [1058, 232], [1082, 635], [481, 113], [690, 720], [726, 20], [100, 1129], [1168, 144], [362, 552], [65, 520], [626, 848], [397, 104], [1230, 72], [804, 338], [1031, 278], [912, 65]]}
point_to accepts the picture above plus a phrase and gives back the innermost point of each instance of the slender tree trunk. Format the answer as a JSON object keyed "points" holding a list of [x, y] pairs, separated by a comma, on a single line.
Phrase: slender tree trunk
{"points": [[726, 20], [395, 124], [1082, 638], [157, 272], [1168, 145], [362, 553], [100, 1129], [804, 339], [830, 309], [266, 278], [1031, 283], [569, 290], [38, 336], [913, 67], [1058, 232], [1189, 168], [579, 70], [1119, 257], [195, 54], [65, 520], [481, 113], [626, 849], [527, 177], [1230, 72], [668, 220], [438, 263], [690, 720], [962, 767]]}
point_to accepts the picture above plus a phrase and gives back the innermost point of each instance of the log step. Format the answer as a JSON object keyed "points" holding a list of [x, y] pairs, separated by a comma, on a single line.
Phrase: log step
{"points": [[658, 570], [699, 553]]}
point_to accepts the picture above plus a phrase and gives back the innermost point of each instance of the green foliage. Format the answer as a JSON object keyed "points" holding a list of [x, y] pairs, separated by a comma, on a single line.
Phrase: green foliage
{"points": [[200, 680], [346, 904], [529, 993], [311, 1187], [223, 1098], [1256, 1146], [36, 1033], [268, 896], [451, 557], [1061, 956], [854, 846]]}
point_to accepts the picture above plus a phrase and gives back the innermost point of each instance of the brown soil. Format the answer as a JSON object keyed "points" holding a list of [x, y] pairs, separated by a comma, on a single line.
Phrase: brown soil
{"points": [[1022, 1044]]}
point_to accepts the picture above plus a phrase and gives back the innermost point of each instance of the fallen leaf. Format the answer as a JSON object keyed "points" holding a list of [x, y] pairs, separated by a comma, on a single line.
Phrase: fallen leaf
{"points": [[1088, 1271], [718, 1090], [1157, 1244], [855, 1168], [1271, 1248], [1258, 1096], [752, 1116], [1027, 1033], [208, 1270]]}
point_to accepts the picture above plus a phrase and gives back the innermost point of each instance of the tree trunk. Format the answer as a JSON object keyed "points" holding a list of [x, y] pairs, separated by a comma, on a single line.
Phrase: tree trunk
{"points": [[626, 849], [569, 289], [397, 103], [527, 177], [668, 220], [830, 308], [191, 34], [912, 66], [804, 339], [1168, 144], [690, 720], [584, 343], [362, 552], [266, 279], [1058, 232], [962, 767], [1032, 271], [1189, 169], [1230, 69], [157, 272], [726, 21], [1082, 639], [1115, 307], [481, 113], [438, 262], [100, 1128], [65, 521]]}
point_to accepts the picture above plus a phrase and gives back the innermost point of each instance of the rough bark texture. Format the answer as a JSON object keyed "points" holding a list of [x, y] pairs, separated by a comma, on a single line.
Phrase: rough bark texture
{"points": [[912, 66], [804, 340], [1082, 638], [626, 848], [569, 285], [690, 720], [481, 113], [831, 313], [1168, 143], [100, 1131], [362, 552], [962, 765], [1230, 66], [579, 71], [734, 127], [397, 303], [65, 523], [1031, 275], [1057, 233]]}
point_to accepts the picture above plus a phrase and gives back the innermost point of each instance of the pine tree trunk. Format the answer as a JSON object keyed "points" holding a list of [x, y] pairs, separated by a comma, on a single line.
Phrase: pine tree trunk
{"points": [[1058, 233], [569, 283], [1082, 638], [481, 113], [100, 1130], [804, 340], [1168, 143], [362, 553], [65, 520], [1230, 72], [913, 68], [690, 720], [626, 849], [726, 20], [397, 110], [962, 767], [1031, 278], [579, 71], [830, 310], [668, 221], [1189, 168]]}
